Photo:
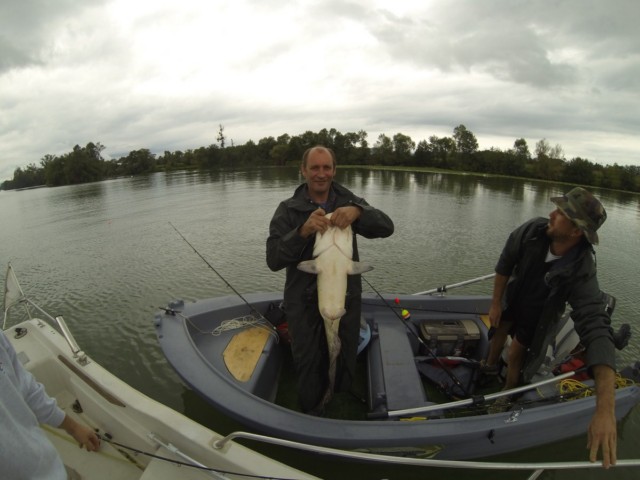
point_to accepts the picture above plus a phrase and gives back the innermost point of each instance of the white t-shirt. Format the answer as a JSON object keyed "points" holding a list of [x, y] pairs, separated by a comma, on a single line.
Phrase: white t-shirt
{"points": [[551, 257]]}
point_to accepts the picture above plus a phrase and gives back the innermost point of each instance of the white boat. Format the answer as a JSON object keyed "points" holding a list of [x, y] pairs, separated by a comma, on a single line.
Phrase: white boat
{"points": [[141, 438]]}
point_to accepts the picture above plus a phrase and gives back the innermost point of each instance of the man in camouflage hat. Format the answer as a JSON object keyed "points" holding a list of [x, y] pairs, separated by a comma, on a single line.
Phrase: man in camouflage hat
{"points": [[584, 210], [545, 264]]}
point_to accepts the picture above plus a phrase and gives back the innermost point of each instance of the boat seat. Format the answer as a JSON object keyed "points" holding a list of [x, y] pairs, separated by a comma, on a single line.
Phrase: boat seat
{"points": [[394, 380], [251, 357]]}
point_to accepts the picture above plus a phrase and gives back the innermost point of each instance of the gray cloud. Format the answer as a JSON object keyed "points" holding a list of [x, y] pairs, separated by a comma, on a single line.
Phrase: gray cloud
{"points": [[76, 71], [525, 42], [27, 29]]}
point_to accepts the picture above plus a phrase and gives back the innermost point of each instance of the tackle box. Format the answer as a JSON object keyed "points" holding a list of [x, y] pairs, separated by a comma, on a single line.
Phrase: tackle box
{"points": [[450, 337]]}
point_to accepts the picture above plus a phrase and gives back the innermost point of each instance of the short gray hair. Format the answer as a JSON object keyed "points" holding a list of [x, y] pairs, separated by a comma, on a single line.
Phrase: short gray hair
{"points": [[305, 155]]}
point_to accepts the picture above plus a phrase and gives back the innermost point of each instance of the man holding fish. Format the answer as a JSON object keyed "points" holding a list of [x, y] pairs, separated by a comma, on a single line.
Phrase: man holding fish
{"points": [[313, 235]]}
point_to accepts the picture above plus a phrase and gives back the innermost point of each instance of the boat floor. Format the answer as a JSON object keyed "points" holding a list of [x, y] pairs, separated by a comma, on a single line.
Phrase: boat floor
{"points": [[343, 405], [352, 405]]}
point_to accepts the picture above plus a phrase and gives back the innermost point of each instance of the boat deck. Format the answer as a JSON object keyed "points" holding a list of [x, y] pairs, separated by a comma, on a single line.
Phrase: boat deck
{"points": [[106, 464]]}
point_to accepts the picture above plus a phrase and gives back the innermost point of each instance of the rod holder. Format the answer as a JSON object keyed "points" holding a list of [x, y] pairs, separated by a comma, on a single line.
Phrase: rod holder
{"points": [[75, 348]]}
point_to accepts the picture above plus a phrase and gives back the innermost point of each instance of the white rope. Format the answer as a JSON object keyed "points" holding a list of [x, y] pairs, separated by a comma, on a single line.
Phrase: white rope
{"points": [[242, 322]]}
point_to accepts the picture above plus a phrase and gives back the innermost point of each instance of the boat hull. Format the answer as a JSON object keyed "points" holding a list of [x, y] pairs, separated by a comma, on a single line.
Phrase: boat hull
{"points": [[182, 333]]}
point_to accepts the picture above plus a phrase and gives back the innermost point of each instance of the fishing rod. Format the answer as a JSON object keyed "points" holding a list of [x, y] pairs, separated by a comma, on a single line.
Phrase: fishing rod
{"points": [[447, 370], [251, 307]]}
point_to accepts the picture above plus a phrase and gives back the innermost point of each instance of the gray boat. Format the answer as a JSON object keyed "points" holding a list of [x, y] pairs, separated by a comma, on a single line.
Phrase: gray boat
{"points": [[421, 393]]}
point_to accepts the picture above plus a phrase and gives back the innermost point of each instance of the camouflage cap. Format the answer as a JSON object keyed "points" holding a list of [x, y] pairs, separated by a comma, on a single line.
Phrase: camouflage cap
{"points": [[584, 210]]}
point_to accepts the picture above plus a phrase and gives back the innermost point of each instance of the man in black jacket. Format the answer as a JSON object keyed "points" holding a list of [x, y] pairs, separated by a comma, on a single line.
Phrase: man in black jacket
{"points": [[291, 240], [545, 264]]}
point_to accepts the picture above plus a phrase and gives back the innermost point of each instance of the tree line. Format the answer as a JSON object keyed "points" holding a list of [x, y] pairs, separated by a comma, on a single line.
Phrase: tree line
{"points": [[459, 152]]}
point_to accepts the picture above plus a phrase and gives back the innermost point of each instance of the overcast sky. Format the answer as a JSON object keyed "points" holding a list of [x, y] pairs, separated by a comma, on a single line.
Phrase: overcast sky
{"points": [[164, 74]]}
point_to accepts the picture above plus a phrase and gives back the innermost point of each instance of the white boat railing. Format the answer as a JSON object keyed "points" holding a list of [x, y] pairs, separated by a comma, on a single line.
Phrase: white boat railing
{"points": [[482, 398], [14, 296], [537, 468], [445, 288], [176, 451]]}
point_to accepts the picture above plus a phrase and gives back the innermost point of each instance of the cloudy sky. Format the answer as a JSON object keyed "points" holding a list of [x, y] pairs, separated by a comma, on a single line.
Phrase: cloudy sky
{"points": [[164, 74]]}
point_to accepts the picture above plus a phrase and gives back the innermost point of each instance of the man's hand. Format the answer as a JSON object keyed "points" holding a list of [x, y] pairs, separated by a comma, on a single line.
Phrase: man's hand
{"points": [[344, 216], [317, 222], [602, 429], [85, 436], [495, 313]]}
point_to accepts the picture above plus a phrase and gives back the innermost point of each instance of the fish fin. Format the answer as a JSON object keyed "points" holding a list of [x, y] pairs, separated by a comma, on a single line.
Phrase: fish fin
{"points": [[358, 268], [309, 266]]}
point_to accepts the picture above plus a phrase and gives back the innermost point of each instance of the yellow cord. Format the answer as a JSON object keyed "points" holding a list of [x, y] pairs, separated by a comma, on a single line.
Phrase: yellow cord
{"points": [[573, 386], [623, 382], [570, 385]]}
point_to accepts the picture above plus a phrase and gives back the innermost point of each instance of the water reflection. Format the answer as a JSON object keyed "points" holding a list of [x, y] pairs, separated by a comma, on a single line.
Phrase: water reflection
{"points": [[78, 194], [89, 190]]}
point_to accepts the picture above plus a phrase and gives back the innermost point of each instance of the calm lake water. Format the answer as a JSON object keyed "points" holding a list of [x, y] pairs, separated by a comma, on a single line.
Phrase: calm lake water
{"points": [[104, 256]]}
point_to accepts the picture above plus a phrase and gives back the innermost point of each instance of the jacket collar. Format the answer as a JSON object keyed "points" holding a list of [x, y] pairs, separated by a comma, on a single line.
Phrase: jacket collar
{"points": [[302, 202]]}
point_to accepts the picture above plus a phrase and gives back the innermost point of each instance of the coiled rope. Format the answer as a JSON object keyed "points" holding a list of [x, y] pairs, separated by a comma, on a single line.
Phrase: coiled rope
{"points": [[236, 324], [576, 389]]}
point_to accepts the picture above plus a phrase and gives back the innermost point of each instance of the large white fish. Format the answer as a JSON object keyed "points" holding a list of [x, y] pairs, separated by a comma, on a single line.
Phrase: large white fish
{"points": [[332, 262]]}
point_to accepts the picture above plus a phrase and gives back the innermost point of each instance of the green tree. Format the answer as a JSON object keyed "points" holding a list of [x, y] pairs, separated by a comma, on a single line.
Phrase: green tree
{"points": [[403, 148], [382, 153], [423, 156], [264, 149], [82, 164], [496, 161], [327, 138], [549, 164], [279, 153], [521, 149], [30, 176], [578, 171], [543, 149], [361, 154], [138, 162], [221, 138], [344, 146], [548, 168], [85, 164], [631, 178], [612, 177], [443, 151], [466, 142], [53, 170]]}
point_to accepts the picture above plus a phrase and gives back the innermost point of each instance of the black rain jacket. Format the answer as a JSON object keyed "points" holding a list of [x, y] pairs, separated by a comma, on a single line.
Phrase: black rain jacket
{"points": [[573, 280], [286, 248]]}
